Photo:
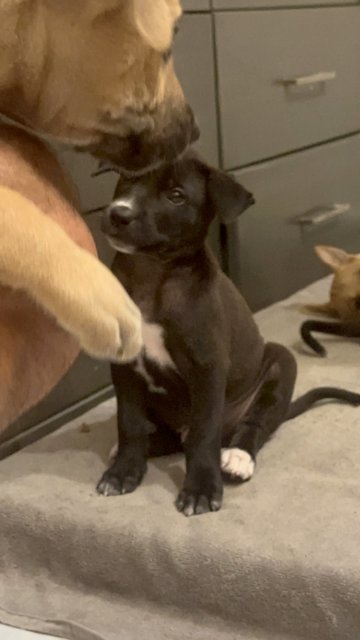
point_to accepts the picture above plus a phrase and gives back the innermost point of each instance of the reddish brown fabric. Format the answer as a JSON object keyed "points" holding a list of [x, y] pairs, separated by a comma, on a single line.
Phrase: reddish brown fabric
{"points": [[35, 351]]}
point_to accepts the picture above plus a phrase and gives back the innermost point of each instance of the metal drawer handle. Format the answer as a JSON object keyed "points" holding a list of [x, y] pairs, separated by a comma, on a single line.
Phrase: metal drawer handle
{"points": [[322, 214], [314, 78]]}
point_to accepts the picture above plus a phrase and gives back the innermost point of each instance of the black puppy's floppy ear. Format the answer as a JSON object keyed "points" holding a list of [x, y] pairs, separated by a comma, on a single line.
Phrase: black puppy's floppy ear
{"points": [[228, 198]]}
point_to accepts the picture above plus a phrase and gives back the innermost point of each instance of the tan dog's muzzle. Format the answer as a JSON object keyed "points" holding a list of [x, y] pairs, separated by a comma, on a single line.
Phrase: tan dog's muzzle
{"points": [[101, 80], [138, 153]]}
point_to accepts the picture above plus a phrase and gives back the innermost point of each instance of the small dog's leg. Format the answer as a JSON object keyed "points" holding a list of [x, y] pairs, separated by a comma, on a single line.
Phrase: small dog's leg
{"points": [[203, 488], [162, 442], [267, 413], [128, 465], [236, 463]]}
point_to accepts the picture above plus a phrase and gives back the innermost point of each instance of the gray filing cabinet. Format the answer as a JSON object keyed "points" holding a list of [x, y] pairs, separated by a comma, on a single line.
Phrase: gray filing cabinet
{"points": [[246, 67], [271, 248], [289, 117], [266, 4]]}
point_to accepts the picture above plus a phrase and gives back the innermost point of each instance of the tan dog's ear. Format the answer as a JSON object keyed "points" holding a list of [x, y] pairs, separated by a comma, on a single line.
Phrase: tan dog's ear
{"points": [[155, 21], [333, 257]]}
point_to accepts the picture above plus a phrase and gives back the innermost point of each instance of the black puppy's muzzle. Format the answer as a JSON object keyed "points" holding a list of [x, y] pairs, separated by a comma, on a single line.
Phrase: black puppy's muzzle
{"points": [[117, 219], [119, 215]]}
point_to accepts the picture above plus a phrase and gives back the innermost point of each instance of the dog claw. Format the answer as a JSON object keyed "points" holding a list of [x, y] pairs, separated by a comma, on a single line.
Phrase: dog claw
{"points": [[189, 511], [202, 506], [180, 501], [112, 485], [196, 504], [107, 488], [215, 505]]}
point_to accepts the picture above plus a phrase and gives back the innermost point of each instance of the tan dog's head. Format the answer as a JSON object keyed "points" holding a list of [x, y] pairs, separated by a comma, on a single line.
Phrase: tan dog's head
{"points": [[99, 74], [345, 288]]}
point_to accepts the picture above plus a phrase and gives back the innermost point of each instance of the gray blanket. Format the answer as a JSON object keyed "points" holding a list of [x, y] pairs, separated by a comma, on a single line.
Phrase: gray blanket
{"points": [[281, 560]]}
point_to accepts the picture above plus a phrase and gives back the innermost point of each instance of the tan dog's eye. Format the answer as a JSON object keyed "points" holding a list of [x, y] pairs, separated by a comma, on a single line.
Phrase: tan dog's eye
{"points": [[167, 54], [357, 302]]}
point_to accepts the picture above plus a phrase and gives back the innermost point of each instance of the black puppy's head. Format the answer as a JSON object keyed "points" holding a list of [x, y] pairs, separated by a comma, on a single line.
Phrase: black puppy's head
{"points": [[168, 212]]}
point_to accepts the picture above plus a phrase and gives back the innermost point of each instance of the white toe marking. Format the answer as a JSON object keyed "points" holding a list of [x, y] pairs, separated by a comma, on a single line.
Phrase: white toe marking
{"points": [[237, 463]]}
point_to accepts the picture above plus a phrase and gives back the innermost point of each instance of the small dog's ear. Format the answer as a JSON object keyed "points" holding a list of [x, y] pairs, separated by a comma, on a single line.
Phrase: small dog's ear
{"points": [[228, 197], [333, 257], [155, 21]]}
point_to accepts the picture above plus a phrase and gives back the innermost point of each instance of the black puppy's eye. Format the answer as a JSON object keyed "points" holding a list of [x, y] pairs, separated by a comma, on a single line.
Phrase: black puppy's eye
{"points": [[176, 196]]}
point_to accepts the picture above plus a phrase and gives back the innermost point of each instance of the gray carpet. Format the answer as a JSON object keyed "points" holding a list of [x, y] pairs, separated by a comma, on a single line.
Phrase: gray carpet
{"points": [[280, 561]]}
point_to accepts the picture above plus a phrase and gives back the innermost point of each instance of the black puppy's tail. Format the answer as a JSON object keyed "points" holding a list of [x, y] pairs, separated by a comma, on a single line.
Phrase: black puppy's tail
{"points": [[332, 328], [302, 404]]}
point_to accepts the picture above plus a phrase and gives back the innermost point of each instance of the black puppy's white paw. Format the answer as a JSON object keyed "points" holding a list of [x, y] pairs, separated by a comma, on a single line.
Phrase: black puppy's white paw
{"points": [[237, 464], [118, 480]]}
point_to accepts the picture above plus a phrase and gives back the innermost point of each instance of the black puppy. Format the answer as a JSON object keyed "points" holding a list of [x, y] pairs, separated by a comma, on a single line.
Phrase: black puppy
{"points": [[205, 377]]}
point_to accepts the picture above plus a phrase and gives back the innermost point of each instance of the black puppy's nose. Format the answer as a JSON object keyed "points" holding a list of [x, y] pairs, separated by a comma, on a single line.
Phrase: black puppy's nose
{"points": [[120, 214]]}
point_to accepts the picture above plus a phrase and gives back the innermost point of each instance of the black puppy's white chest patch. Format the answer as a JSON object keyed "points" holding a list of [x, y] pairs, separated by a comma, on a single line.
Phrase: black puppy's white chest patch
{"points": [[154, 351]]}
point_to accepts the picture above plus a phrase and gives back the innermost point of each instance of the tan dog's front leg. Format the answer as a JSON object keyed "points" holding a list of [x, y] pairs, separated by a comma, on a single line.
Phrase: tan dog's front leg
{"points": [[37, 256]]}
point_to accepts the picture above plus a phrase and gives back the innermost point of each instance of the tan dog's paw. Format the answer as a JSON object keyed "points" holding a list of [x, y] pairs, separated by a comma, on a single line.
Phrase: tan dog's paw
{"points": [[113, 328], [83, 295], [95, 308]]}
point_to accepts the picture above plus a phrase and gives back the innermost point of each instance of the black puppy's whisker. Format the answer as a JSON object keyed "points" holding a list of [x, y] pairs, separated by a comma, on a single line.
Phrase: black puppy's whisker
{"points": [[99, 172], [97, 210]]}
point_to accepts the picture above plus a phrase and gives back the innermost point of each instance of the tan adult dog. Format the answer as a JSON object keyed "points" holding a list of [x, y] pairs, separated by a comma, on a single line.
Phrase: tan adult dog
{"points": [[99, 77]]}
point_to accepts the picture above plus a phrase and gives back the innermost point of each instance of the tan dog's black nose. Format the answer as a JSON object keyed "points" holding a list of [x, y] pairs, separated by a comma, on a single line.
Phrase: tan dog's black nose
{"points": [[120, 214]]}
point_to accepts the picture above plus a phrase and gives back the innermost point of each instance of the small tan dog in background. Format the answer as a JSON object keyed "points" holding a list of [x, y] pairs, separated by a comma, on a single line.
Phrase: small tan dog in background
{"points": [[344, 303], [99, 77]]}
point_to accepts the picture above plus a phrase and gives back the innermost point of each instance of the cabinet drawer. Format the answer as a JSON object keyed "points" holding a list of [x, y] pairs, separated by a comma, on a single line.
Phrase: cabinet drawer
{"points": [[93, 191], [260, 115], [270, 254], [251, 4], [196, 5], [194, 63]]}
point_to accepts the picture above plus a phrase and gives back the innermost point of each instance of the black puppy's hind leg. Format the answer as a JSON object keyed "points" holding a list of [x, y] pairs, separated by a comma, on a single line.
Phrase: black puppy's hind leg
{"points": [[266, 414], [128, 465]]}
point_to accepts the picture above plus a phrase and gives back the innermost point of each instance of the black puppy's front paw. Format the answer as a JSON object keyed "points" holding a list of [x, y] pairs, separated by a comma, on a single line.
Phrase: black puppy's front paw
{"points": [[194, 504], [121, 478], [201, 494]]}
